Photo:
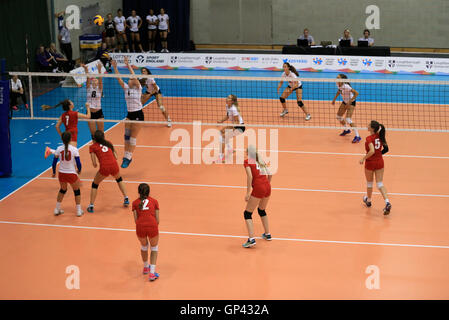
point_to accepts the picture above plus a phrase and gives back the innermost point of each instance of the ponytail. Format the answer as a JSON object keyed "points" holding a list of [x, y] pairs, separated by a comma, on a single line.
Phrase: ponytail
{"points": [[144, 192], [99, 138], [65, 104], [252, 153], [380, 130], [66, 137], [292, 68], [234, 101]]}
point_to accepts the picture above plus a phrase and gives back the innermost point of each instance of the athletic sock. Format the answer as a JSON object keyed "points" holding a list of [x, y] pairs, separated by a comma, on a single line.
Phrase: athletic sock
{"points": [[78, 207], [58, 205], [152, 268], [356, 132], [146, 265], [128, 155], [387, 201]]}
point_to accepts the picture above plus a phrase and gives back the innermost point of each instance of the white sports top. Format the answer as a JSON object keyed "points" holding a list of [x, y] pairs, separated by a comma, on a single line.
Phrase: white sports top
{"points": [[150, 87], [67, 165], [232, 112], [163, 21], [152, 18], [292, 83], [120, 23], [134, 23], [132, 97], [93, 97], [345, 91]]}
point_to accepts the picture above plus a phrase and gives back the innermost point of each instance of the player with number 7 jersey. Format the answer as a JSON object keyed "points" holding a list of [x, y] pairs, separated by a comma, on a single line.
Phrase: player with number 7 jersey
{"points": [[103, 150]]}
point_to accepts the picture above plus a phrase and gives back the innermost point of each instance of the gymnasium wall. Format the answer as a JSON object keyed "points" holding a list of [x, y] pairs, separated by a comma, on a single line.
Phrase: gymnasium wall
{"points": [[396, 23]]}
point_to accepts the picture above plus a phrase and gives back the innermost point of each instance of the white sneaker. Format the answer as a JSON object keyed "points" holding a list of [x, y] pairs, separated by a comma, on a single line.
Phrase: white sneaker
{"points": [[57, 212], [166, 50], [308, 117], [79, 213], [169, 124], [284, 113]]}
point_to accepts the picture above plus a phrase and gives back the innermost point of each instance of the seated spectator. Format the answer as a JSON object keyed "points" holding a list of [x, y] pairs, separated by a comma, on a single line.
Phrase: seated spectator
{"points": [[16, 92], [366, 37], [62, 62], [45, 63], [347, 36], [307, 36]]}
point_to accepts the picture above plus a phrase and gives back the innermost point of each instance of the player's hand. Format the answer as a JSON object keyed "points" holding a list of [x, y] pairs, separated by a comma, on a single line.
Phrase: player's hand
{"points": [[333, 102], [362, 160], [53, 175], [114, 63], [95, 165], [99, 65], [126, 60], [248, 195]]}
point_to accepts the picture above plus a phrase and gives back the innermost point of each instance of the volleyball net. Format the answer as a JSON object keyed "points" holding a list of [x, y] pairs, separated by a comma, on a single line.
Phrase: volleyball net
{"points": [[398, 104]]}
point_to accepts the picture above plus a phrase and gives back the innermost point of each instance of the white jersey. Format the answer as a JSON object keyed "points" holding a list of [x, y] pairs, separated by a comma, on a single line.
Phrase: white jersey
{"points": [[346, 92], [232, 111], [292, 83], [150, 86], [120, 23], [16, 85], [67, 164], [93, 97], [151, 19], [163, 19], [132, 97], [134, 23]]}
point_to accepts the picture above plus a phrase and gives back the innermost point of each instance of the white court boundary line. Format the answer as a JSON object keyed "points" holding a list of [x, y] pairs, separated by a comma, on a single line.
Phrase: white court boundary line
{"points": [[293, 151], [231, 236], [273, 188]]}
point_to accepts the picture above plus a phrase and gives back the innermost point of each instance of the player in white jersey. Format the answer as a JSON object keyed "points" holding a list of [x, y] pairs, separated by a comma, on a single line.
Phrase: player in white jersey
{"points": [[164, 28], [133, 95], [134, 23], [228, 132], [347, 106], [293, 85], [67, 173], [152, 29], [152, 89], [94, 90], [120, 27]]}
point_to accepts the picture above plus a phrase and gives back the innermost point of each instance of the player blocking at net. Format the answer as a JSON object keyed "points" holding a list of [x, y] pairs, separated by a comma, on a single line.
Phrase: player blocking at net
{"points": [[104, 151], [94, 91], [133, 96], [152, 89], [293, 86], [348, 95]]}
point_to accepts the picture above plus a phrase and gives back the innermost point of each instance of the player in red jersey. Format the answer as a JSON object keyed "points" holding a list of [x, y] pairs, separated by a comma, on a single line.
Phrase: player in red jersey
{"points": [[70, 120], [258, 180], [146, 217], [375, 146], [104, 151]]}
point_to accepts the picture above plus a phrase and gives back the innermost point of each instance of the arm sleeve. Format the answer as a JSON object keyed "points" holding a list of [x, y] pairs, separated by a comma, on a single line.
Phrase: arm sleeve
{"points": [[78, 163], [385, 149], [53, 165]]}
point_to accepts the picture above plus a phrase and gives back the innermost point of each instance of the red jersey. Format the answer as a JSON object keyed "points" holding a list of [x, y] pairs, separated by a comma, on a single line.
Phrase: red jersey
{"points": [[146, 215], [70, 120], [104, 154], [375, 140], [255, 170]]}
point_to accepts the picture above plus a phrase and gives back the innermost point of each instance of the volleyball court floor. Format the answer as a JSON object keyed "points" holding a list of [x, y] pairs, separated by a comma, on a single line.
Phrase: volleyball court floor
{"points": [[324, 239]]}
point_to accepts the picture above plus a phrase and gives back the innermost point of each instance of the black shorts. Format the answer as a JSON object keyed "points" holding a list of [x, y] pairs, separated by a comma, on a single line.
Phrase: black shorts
{"points": [[241, 128], [135, 32], [154, 93], [352, 104], [135, 115], [97, 114], [163, 30], [110, 33], [300, 87]]}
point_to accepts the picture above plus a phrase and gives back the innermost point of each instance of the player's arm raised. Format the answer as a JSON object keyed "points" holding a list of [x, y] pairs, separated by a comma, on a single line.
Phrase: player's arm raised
{"points": [[120, 81]]}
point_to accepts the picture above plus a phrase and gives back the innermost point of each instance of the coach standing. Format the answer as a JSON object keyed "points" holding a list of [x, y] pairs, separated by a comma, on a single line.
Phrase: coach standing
{"points": [[65, 42]]}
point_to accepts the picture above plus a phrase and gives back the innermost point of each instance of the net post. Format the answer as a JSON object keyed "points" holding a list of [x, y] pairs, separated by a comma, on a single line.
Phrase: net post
{"points": [[30, 87]]}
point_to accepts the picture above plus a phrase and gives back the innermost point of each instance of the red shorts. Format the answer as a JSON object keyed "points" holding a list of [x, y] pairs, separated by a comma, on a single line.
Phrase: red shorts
{"points": [[374, 164], [149, 231], [74, 136], [70, 178], [109, 170], [261, 190]]}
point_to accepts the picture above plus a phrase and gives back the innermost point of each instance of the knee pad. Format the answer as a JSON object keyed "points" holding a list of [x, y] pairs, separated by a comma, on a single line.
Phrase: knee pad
{"points": [[119, 180], [369, 184], [162, 108], [380, 185], [94, 186], [127, 135], [155, 248], [62, 191], [262, 213], [300, 104], [247, 215], [132, 141], [339, 118], [144, 248], [77, 192], [348, 120], [282, 100]]}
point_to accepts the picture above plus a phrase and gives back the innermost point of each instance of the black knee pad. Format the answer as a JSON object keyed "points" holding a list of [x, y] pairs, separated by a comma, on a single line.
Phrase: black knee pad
{"points": [[247, 215], [282, 100], [300, 104], [119, 180], [94, 186], [62, 191], [262, 213], [77, 192]]}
